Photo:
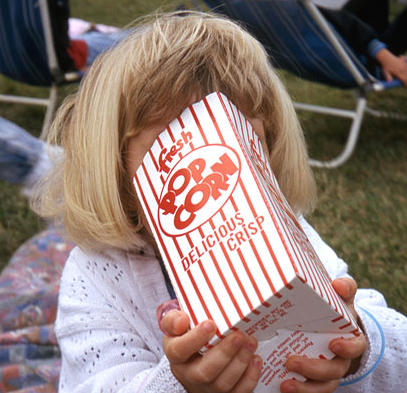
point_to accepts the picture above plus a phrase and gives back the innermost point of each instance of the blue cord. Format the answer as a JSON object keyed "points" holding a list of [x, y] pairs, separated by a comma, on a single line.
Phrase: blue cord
{"points": [[378, 359]]}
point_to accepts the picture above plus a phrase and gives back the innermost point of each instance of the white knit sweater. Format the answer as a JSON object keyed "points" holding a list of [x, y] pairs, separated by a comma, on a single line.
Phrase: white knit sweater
{"points": [[110, 341]]}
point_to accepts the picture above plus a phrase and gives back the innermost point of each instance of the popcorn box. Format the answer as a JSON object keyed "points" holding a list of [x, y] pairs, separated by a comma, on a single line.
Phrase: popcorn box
{"points": [[231, 244]]}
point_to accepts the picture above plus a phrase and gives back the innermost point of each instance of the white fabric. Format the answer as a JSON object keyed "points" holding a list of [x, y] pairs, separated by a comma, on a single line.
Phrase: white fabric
{"points": [[107, 329], [77, 27], [42, 167]]}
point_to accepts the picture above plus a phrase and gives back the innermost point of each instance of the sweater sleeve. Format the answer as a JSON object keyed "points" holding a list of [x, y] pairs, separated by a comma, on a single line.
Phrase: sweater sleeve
{"points": [[105, 343], [384, 364]]}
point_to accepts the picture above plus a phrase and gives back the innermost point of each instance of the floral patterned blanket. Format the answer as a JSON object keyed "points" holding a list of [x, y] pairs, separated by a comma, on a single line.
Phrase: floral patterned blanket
{"points": [[29, 285]]}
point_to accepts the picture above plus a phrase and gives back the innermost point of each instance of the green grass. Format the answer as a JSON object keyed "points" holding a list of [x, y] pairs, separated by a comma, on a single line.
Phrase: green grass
{"points": [[362, 210]]}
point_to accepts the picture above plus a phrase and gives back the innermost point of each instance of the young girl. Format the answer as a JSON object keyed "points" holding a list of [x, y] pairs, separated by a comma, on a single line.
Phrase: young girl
{"points": [[113, 281]]}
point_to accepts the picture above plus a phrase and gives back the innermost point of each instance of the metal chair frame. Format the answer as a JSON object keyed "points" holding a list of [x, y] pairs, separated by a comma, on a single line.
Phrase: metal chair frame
{"points": [[363, 88], [50, 102]]}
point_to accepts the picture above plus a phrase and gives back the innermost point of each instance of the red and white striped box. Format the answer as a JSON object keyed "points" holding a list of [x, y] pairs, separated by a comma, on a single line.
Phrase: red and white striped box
{"points": [[231, 244]]}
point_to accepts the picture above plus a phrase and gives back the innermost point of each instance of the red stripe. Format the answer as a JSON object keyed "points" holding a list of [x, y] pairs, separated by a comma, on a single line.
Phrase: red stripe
{"points": [[150, 183], [249, 274], [169, 260], [160, 142], [180, 253], [170, 133], [150, 153], [261, 264], [214, 294], [190, 242], [215, 123], [180, 121], [345, 326], [198, 125], [236, 277], [226, 285]]}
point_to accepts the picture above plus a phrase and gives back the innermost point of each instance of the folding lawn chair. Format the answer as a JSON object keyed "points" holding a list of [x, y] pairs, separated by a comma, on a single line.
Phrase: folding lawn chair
{"points": [[299, 39], [28, 55]]}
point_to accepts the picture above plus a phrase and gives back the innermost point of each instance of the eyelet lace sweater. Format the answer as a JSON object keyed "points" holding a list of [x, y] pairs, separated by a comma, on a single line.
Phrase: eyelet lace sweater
{"points": [[110, 340]]}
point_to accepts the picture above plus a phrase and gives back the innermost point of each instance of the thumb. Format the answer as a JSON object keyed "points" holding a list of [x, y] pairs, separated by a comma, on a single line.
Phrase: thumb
{"points": [[346, 288]]}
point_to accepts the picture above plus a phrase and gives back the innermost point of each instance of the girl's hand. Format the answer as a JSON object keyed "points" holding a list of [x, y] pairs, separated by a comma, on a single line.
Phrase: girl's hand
{"points": [[323, 375], [230, 366]]}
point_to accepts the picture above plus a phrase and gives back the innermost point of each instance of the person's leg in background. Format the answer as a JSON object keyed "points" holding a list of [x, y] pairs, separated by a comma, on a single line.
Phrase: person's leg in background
{"points": [[24, 159], [99, 42], [375, 13], [395, 36]]}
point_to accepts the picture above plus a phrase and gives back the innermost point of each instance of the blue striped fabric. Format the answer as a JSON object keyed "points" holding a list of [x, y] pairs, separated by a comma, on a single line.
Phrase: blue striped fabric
{"points": [[23, 54], [292, 39]]}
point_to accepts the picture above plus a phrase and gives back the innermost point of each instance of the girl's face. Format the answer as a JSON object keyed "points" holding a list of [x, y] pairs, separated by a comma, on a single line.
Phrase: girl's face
{"points": [[139, 145]]}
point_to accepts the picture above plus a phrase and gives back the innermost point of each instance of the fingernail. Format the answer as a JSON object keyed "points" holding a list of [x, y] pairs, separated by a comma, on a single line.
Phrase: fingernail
{"points": [[251, 345], [257, 362], [237, 342], [164, 309], [208, 327]]}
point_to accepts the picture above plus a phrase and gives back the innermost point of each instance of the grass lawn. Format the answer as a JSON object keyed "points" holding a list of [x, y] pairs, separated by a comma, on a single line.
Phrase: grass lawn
{"points": [[362, 210]]}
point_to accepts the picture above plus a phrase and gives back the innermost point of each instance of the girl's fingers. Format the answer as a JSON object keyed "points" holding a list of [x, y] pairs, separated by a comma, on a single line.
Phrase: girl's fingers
{"points": [[180, 348], [250, 377], [173, 322], [294, 386], [318, 369], [236, 365], [345, 288], [207, 368], [349, 348], [165, 309]]}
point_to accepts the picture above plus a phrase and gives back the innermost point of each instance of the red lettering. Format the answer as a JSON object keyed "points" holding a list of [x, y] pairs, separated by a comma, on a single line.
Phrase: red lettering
{"points": [[167, 203], [186, 136], [185, 263], [240, 237], [216, 182], [197, 167], [182, 224], [192, 256], [183, 172], [260, 220], [178, 146], [226, 166], [205, 191]]}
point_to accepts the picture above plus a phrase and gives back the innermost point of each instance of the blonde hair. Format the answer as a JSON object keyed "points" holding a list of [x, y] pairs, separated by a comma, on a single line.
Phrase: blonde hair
{"points": [[153, 75]]}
